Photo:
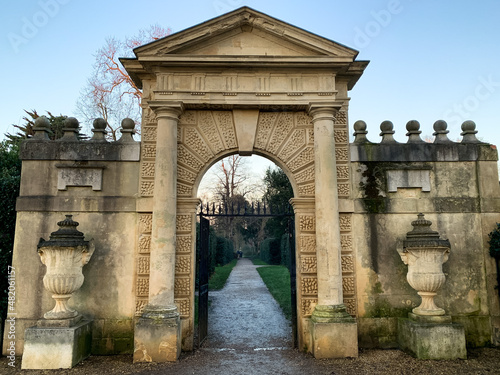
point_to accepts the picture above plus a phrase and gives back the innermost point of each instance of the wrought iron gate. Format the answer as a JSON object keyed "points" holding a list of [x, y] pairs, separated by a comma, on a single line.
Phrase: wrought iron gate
{"points": [[247, 210]]}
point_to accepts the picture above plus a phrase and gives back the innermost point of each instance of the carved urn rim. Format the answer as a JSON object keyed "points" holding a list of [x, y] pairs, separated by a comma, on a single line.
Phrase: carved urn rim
{"points": [[66, 236], [421, 236]]}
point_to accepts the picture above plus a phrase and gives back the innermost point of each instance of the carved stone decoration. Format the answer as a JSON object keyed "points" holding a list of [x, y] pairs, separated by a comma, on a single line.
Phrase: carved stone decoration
{"points": [[64, 254], [345, 222], [350, 304], [424, 253], [308, 305], [183, 306], [309, 285]]}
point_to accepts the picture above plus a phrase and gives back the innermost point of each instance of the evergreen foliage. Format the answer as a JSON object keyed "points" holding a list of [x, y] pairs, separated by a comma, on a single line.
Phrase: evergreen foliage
{"points": [[10, 177], [495, 242]]}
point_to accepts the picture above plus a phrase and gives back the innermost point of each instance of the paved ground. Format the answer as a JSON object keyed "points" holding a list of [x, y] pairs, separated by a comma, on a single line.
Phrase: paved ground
{"points": [[248, 334]]}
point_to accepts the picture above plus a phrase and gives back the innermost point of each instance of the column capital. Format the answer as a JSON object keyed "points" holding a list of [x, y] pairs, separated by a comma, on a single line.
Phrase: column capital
{"points": [[171, 110], [323, 111], [302, 204], [188, 204]]}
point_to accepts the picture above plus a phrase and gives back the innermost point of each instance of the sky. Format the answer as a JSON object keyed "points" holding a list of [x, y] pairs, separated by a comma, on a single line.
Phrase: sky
{"points": [[429, 60]]}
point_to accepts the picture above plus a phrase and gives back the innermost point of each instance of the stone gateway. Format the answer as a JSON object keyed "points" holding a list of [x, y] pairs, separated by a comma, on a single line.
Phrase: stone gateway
{"points": [[248, 83]]}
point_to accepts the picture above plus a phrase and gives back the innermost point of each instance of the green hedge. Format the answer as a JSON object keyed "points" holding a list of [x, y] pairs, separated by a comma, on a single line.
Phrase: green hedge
{"points": [[270, 251]]}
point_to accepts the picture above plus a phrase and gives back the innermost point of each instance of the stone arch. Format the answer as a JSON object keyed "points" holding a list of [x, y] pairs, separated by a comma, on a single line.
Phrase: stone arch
{"points": [[205, 136]]}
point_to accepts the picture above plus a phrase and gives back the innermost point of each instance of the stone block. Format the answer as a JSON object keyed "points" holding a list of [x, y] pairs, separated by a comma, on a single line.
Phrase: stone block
{"points": [[334, 340], [432, 340], [157, 340], [56, 347]]}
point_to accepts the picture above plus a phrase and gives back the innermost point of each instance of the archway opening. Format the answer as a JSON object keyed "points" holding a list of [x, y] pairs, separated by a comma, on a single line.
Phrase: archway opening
{"points": [[246, 248]]}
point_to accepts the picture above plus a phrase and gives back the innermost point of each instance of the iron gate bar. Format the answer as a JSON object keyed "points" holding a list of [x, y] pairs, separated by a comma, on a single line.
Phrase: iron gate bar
{"points": [[223, 210]]}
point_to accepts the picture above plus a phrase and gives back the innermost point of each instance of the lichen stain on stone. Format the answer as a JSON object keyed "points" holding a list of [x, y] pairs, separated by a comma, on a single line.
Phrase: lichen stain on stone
{"points": [[141, 349]]}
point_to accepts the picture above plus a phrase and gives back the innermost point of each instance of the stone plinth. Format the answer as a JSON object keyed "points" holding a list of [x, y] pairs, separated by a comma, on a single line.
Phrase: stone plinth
{"points": [[334, 333], [56, 347], [436, 338], [157, 337]]}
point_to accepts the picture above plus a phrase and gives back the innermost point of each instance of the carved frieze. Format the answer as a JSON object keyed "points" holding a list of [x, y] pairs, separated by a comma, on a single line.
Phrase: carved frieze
{"points": [[144, 244], [341, 154], [140, 303], [350, 304], [283, 126], [308, 305], [184, 190], [142, 287], [148, 151], [307, 223], [348, 285], [345, 222], [347, 263], [309, 285], [342, 172], [264, 128], [296, 141], [182, 286], [148, 133], [183, 264], [305, 190], [305, 157], [147, 188], [343, 190], [207, 126], [226, 125], [147, 169], [187, 158], [346, 242], [143, 265], [308, 243], [340, 136], [183, 306], [308, 264], [145, 223], [305, 175], [184, 223], [193, 140], [184, 244]]}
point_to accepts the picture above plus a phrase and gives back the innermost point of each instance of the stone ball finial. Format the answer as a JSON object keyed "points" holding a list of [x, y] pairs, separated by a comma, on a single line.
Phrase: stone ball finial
{"points": [[99, 123], [42, 122], [41, 129], [440, 126], [360, 132], [127, 131], [468, 126], [440, 131], [360, 126], [413, 127], [71, 123], [386, 126], [387, 131], [128, 124], [469, 132]]}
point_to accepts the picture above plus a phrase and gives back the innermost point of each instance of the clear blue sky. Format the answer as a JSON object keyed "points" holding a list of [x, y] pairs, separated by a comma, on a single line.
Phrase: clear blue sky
{"points": [[430, 60]]}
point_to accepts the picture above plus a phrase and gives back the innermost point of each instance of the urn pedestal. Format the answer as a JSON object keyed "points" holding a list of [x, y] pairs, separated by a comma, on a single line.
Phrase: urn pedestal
{"points": [[63, 338], [428, 333]]}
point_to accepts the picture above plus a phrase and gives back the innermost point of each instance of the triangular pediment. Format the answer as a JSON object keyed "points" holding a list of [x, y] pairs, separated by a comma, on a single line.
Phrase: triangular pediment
{"points": [[245, 32]]}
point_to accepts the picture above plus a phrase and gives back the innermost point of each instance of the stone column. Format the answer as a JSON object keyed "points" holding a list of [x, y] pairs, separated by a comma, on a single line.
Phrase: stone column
{"points": [[157, 334], [334, 331]]}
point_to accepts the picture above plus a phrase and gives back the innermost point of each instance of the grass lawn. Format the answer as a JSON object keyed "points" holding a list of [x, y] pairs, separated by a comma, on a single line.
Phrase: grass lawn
{"points": [[220, 275], [277, 280]]}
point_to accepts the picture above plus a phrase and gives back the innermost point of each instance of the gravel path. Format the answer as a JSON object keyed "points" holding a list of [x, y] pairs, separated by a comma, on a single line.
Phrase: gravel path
{"points": [[248, 334]]}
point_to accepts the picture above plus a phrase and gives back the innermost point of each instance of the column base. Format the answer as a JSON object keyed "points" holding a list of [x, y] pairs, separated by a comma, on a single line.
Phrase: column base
{"points": [[432, 337], [157, 335], [334, 332], [55, 347]]}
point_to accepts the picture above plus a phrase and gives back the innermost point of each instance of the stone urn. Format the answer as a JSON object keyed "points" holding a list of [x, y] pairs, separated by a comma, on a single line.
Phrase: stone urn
{"points": [[64, 254], [424, 253]]}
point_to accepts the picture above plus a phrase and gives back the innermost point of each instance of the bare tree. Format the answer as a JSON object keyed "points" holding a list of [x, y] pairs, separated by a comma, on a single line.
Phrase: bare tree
{"points": [[110, 93]]}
